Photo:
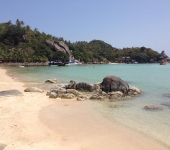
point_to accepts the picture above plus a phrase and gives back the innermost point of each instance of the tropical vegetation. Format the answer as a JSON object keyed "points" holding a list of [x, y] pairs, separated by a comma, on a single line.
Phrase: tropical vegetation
{"points": [[20, 43]]}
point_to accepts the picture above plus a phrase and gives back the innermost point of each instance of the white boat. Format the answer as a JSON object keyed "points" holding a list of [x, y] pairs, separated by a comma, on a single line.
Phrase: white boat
{"points": [[74, 62], [21, 66]]}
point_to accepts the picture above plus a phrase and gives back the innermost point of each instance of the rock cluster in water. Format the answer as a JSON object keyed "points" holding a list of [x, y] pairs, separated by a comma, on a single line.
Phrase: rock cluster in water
{"points": [[111, 87]]}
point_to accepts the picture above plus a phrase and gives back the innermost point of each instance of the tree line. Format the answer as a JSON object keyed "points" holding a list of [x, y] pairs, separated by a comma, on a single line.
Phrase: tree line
{"points": [[19, 43]]}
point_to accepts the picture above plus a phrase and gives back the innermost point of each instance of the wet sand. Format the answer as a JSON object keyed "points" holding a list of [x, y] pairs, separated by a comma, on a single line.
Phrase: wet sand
{"points": [[33, 121]]}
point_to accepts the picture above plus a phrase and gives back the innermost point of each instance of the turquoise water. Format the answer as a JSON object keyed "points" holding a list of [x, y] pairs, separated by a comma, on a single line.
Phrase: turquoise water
{"points": [[152, 79]]}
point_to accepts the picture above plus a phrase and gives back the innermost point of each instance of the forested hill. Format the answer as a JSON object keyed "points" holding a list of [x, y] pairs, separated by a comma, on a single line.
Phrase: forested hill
{"points": [[19, 43]]}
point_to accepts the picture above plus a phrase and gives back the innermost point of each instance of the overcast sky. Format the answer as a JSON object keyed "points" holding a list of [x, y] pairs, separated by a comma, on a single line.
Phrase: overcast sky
{"points": [[121, 23]]}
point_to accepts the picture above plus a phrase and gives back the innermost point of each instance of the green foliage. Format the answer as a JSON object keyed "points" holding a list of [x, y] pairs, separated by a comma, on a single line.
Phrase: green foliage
{"points": [[19, 43]]}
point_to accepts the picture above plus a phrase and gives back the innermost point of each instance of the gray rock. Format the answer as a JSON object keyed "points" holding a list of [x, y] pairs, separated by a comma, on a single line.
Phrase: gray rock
{"points": [[84, 87], [51, 81], [48, 93], [60, 46], [104, 93], [152, 107], [58, 90], [97, 97], [10, 92], [100, 98], [62, 91], [68, 96], [33, 89], [54, 91], [117, 93], [71, 85], [134, 89], [61, 85], [111, 83], [80, 86], [53, 95], [96, 86], [80, 99], [94, 96], [73, 91], [130, 92]]}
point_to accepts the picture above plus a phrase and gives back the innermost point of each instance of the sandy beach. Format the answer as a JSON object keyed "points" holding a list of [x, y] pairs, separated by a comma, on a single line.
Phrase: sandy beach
{"points": [[32, 121]]}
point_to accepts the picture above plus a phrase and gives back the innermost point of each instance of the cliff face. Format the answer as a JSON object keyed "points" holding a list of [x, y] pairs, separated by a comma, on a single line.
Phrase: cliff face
{"points": [[60, 46]]}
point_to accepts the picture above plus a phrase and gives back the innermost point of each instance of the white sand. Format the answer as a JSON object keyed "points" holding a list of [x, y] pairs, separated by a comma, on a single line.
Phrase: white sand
{"points": [[32, 121]]}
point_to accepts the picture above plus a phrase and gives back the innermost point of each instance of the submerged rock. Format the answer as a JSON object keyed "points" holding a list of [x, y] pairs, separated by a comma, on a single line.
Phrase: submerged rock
{"points": [[152, 107], [51, 81], [167, 94], [166, 104]]}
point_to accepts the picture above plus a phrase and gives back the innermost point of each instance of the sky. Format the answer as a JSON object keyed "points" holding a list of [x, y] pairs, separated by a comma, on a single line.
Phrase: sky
{"points": [[120, 23]]}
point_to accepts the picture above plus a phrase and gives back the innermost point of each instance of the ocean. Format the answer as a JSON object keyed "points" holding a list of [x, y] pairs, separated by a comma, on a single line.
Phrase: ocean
{"points": [[152, 79]]}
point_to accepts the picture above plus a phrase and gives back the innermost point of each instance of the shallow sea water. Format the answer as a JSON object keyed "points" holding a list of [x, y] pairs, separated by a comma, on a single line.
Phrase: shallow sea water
{"points": [[152, 79]]}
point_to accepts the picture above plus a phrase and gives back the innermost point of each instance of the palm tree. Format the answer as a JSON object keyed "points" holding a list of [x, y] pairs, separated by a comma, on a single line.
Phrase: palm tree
{"points": [[18, 23], [22, 23]]}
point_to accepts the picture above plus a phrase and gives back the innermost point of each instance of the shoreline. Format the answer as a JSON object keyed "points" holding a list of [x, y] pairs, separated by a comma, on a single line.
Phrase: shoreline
{"points": [[33, 121]]}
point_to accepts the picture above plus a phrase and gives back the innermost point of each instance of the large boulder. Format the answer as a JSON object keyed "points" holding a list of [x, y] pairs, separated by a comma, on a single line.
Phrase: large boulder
{"points": [[60, 46], [112, 83]]}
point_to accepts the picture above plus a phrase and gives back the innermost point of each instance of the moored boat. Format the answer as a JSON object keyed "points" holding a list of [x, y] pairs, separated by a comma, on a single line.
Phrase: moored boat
{"points": [[74, 62], [163, 63]]}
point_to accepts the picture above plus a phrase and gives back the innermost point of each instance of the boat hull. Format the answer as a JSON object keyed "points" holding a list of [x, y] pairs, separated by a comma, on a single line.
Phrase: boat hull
{"points": [[163, 63]]}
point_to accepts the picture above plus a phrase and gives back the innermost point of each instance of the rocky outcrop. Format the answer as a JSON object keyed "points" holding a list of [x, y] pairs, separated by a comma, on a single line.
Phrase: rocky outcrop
{"points": [[60, 46], [112, 88], [33, 89], [112, 83]]}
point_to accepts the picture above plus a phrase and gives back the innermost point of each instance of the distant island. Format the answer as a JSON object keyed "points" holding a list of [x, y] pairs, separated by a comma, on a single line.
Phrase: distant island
{"points": [[20, 44]]}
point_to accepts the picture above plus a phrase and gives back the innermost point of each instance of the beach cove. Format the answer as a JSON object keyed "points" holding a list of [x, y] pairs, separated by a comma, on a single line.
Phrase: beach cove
{"points": [[33, 121]]}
